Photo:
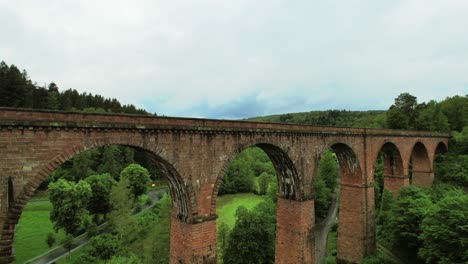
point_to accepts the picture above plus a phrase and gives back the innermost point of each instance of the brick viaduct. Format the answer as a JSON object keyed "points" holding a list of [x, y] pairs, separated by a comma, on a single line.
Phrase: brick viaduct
{"points": [[195, 153]]}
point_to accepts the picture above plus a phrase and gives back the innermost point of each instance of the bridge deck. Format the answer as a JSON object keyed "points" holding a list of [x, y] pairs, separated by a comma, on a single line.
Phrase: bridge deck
{"points": [[59, 119]]}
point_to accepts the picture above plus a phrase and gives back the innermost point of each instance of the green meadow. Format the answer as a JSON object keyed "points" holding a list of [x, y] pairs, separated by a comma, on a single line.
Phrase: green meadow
{"points": [[32, 230]]}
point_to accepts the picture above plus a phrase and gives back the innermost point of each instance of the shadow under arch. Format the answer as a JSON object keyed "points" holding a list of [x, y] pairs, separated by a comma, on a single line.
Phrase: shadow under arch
{"points": [[287, 176], [350, 168], [421, 169], [393, 168], [180, 194], [441, 148]]}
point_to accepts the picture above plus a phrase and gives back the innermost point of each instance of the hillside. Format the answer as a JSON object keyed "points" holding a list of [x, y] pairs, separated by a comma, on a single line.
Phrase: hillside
{"points": [[340, 118]]}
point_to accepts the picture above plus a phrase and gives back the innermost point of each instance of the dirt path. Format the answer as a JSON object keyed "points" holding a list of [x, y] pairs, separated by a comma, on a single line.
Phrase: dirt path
{"points": [[322, 229]]}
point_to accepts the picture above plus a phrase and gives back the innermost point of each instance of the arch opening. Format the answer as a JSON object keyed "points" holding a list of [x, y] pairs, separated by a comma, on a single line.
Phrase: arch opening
{"points": [[181, 205], [264, 162], [287, 176], [420, 168], [350, 169], [389, 171]]}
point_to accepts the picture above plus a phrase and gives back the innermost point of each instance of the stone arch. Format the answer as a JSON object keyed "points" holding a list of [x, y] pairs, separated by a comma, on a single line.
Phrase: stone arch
{"points": [[421, 168], [288, 179], [180, 193], [393, 162], [350, 168], [441, 148], [394, 169]]}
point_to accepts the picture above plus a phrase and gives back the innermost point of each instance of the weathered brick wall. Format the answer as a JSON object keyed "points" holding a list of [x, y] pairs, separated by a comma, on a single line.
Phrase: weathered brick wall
{"points": [[193, 242], [195, 153], [294, 232]]}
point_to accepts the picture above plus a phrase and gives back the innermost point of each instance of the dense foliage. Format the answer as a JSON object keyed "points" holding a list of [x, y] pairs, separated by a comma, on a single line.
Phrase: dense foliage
{"points": [[17, 90], [244, 170], [325, 183], [138, 178], [252, 240], [69, 200], [428, 224], [101, 186]]}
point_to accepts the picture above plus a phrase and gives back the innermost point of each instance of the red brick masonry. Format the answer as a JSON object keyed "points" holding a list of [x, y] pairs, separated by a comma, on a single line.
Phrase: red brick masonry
{"points": [[195, 153]]}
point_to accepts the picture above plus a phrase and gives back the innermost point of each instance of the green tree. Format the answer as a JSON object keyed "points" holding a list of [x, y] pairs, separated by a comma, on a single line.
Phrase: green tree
{"points": [[264, 181], [456, 110], [138, 178], [445, 230], [322, 198], [101, 247], [328, 169], [69, 201], [273, 191], [408, 105], [383, 215], [50, 239], [132, 259], [432, 118], [223, 236], [160, 234], [251, 240], [378, 180], [120, 218], [396, 119], [101, 186], [53, 98], [238, 178], [403, 225], [83, 164], [111, 161]]}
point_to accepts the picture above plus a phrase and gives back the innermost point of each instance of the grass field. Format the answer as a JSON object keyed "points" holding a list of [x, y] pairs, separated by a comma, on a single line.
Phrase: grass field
{"points": [[331, 248], [227, 206], [32, 230]]}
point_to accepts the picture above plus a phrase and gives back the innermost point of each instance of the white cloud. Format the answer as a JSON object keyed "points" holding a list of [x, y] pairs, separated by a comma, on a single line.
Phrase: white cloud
{"points": [[207, 57]]}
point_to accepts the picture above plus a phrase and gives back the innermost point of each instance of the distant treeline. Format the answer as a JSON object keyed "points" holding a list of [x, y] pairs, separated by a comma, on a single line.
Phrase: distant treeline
{"points": [[17, 90], [341, 118], [450, 114]]}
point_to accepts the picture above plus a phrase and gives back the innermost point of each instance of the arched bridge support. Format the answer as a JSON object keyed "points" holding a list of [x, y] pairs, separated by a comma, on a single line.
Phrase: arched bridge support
{"points": [[193, 242], [193, 152], [294, 231], [356, 230]]}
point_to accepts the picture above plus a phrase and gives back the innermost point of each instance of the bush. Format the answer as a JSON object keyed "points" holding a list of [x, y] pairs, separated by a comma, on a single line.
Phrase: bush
{"points": [[377, 259], [149, 201], [50, 240], [92, 230], [137, 208], [102, 247], [132, 259]]}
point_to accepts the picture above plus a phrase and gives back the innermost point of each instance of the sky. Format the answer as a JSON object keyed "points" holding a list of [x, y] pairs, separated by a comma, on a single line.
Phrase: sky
{"points": [[242, 58]]}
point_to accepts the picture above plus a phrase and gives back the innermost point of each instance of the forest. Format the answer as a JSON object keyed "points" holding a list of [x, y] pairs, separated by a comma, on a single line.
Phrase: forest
{"points": [[420, 225], [17, 90]]}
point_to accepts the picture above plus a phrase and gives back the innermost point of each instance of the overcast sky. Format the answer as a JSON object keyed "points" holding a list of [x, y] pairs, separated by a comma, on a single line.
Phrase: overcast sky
{"points": [[242, 58]]}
